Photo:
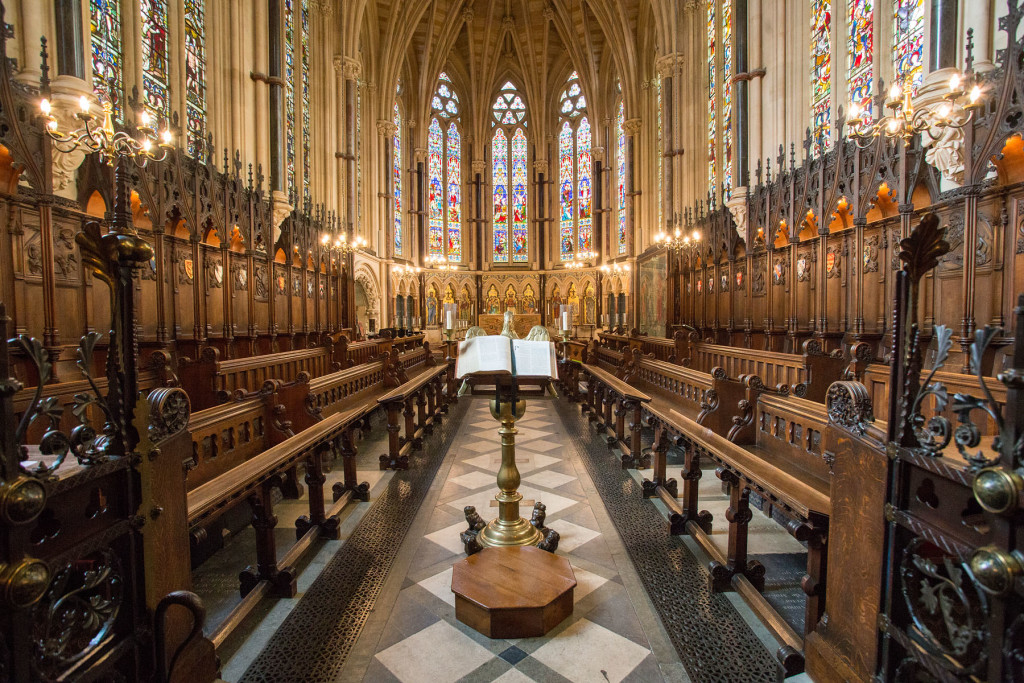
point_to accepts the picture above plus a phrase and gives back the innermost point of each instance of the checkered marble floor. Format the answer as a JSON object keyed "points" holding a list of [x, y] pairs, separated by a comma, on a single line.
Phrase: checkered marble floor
{"points": [[613, 634]]}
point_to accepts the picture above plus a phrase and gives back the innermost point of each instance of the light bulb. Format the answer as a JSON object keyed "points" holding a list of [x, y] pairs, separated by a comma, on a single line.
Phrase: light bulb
{"points": [[944, 111], [145, 118], [696, 235], [975, 94], [167, 136], [52, 125], [954, 82], [44, 106], [147, 145], [894, 91], [854, 111], [83, 102], [325, 239], [893, 125]]}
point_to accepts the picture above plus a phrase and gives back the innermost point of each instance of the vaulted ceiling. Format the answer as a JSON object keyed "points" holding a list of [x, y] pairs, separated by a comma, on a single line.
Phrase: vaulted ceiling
{"points": [[481, 44]]}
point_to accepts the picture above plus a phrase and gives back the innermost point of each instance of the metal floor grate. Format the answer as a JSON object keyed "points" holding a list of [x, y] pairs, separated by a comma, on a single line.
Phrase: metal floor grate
{"points": [[312, 643], [714, 643]]}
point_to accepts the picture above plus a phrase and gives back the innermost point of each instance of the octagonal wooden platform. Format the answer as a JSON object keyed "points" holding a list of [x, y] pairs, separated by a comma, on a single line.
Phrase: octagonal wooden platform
{"points": [[513, 592]]}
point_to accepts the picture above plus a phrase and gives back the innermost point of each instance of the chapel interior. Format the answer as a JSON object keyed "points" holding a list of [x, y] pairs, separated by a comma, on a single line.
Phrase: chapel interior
{"points": [[512, 340]]}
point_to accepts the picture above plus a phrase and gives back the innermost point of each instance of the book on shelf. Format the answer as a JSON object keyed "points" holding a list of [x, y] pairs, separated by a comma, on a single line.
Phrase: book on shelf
{"points": [[500, 355]]}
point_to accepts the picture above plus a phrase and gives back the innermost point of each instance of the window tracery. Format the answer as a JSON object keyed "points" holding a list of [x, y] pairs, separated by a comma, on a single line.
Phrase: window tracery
{"points": [[510, 231], [860, 54], [821, 75], [396, 179], [620, 154], [908, 41], [107, 56], [195, 74], [444, 174], [574, 172]]}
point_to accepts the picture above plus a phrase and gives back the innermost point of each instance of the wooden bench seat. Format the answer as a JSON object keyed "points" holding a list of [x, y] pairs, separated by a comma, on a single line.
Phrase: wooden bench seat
{"points": [[427, 389], [254, 480], [628, 401]]}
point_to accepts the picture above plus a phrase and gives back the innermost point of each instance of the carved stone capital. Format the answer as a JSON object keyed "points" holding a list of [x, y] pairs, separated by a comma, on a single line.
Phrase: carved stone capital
{"points": [[631, 126], [597, 153], [944, 149], [338, 62], [280, 209], [420, 152], [351, 68], [479, 166], [387, 129], [468, 14], [667, 64], [540, 165], [737, 206]]}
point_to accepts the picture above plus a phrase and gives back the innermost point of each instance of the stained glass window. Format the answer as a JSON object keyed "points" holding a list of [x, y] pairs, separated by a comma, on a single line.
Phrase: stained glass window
{"points": [[908, 41], [444, 151], [305, 100], [712, 100], [727, 95], [435, 199], [860, 54], [107, 59], [289, 92], [499, 177], [396, 180], [620, 155], [454, 170], [565, 197], [575, 226], [154, 57], [584, 201], [195, 74], [520, 227], [821, 75], [660, 154], [509, 177]]}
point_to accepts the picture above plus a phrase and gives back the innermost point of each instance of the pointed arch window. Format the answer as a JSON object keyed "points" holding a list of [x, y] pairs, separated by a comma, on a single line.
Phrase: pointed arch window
{"points": [[821, 76], [154, 57], [620, 158], [107, 55], [712, 99], [908, 41], [575, 226], [195, 74], [718, 22], [444, 173], [860, 74], [396, 179], [296, 77], [510, 231]]}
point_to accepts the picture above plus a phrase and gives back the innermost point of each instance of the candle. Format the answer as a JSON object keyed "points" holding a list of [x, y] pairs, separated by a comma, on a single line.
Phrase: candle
{"points": [[449, 319], [565, 320]]}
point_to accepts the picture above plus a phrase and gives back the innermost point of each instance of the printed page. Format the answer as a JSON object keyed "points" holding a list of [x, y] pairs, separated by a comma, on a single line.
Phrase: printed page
{"points": [[484, 354], [534, 358]]}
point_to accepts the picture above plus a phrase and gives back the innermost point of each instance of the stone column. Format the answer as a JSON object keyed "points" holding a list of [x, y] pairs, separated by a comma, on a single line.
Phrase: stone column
{"points": [[275, 81], [387, 131], [631, 127]]}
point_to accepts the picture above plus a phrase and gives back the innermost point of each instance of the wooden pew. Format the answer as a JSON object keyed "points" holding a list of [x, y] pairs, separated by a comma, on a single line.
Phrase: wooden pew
{"points": [[628, 401], [210, 380], [427, 390], [253, 482]]}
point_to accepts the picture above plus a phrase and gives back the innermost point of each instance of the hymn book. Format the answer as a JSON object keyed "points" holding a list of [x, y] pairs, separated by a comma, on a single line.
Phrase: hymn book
{"points": [[501, 355]]}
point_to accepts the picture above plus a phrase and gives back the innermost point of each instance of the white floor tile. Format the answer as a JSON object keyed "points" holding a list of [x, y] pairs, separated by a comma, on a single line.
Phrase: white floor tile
{"points": [[571, 536], [441, 586], [549, 479], [513, 676], [586, 583], [474, 480], [448, 538], [587, 652], [439, 653]]}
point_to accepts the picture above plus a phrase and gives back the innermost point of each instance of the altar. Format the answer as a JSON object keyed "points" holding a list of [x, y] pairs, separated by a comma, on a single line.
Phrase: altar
{"points": [[522, 323]]}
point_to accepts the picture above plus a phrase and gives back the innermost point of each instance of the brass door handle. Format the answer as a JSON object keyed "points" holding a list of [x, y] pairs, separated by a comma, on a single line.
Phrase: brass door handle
{"points": [[995, 569], [998, 490]]}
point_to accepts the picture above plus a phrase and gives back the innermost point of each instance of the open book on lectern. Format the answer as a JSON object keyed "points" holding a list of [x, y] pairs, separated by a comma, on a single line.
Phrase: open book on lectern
{"points": [[496, 354]]}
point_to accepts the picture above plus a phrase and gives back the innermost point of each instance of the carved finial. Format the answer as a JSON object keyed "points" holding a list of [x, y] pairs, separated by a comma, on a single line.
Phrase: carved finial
{"points": [[969, 59]]}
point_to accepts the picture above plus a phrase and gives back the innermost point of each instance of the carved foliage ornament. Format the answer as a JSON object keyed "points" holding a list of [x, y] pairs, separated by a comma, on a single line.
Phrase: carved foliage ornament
{"points": [[77, 612], [849, 406]]}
